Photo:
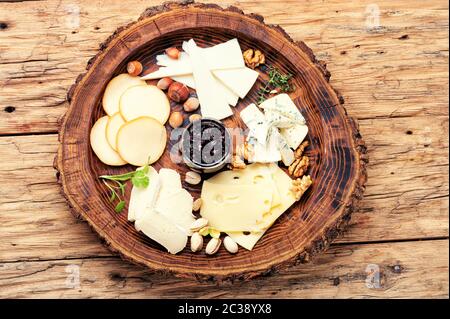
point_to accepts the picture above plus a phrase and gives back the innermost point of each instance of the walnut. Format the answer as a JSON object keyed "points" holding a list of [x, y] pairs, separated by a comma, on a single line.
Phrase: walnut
{"points": [[253, 58], [236, 163], [299, 151], [299, 167], [300, 185], [245, 151]]}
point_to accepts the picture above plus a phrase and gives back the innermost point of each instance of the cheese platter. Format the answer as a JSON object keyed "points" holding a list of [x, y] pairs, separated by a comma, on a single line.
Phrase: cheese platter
{"points": [[205, 143]]}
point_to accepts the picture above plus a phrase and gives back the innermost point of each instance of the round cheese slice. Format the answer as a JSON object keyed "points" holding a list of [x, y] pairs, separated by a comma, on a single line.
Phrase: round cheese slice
{"points": [[100, 145], [141, 141], [112, 127], [145, 100], [115, 89]]}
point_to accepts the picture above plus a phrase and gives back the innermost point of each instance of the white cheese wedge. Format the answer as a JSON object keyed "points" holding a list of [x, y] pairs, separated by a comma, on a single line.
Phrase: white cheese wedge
{"points": [[167, 72], [213, 103], [235, 207], [239, 81], [283, 182], [253, 174], [159, 228], [187, 80], [143, 198], [226, 55], [281, 109]]}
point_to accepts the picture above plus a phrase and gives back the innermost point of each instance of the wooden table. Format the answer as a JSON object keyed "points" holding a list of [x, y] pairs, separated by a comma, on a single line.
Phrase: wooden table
{"points": [[392, 70]]}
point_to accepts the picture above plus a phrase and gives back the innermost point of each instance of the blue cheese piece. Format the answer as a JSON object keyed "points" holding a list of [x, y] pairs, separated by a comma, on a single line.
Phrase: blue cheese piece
{"points": [[287, 154], [281, 111], [265, 145]]}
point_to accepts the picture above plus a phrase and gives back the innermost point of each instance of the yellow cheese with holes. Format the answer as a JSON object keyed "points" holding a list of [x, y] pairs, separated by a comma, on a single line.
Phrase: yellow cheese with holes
{"points": [[283, 183], [253, 174], [235, 207]]}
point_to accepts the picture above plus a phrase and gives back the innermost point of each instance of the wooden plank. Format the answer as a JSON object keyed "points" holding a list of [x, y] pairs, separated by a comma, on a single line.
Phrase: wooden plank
{"points": [[410, 203], [406, 270], [399, 69]]}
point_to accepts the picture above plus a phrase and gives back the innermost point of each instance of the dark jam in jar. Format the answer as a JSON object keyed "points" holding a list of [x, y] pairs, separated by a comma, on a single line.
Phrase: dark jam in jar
{"points": [[206, 143]]}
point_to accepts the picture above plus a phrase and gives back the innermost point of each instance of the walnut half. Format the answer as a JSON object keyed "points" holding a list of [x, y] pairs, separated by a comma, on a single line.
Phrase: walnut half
{"points": [[299, 166], [253, 58], [300, 185], [236, 163]]}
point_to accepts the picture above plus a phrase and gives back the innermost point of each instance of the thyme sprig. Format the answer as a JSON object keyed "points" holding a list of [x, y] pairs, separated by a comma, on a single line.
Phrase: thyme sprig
{"points": [[277, 81]]}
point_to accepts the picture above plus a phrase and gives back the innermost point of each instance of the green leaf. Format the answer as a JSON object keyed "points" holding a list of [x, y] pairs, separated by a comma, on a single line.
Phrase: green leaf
{"points": [[122, 188], [120, 206], [140, 179], [112, 197]]}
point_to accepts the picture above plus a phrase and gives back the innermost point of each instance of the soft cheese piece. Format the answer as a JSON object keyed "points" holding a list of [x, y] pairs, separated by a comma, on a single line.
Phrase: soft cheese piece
{"points": [[159, 228], [212, 102], [253, 174], [142, 198], [283, 182], [235, 207], [177, 208], [170, 181], [239, 81], [281, 106]]}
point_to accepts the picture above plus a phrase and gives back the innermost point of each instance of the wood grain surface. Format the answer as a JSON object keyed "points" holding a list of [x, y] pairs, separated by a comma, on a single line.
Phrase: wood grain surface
{"points": [[394, 79]]}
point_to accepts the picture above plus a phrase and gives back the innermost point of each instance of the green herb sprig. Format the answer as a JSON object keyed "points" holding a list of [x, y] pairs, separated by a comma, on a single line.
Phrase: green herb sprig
{"points": [[277, 81], [116, 184]]}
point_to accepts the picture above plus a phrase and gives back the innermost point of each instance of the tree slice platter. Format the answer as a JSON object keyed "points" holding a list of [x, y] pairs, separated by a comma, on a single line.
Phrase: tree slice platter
{"points": [[337, 152]]}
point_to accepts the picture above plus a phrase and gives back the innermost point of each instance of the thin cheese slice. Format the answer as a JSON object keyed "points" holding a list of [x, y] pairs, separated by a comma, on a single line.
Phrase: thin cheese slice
{"points": [[235, 207], [283, 182], [212, 102]]}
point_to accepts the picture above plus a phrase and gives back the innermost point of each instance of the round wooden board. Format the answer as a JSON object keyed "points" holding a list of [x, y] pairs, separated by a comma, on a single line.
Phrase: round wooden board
{"points": [[337, 152]]}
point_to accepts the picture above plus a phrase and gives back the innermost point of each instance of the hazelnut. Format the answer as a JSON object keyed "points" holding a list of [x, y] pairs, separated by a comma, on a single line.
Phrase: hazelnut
{"points": [[173, 53], [134, 68], [176, 119], [191, 104], [178, 92], [164, 83], [194, 117]]}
